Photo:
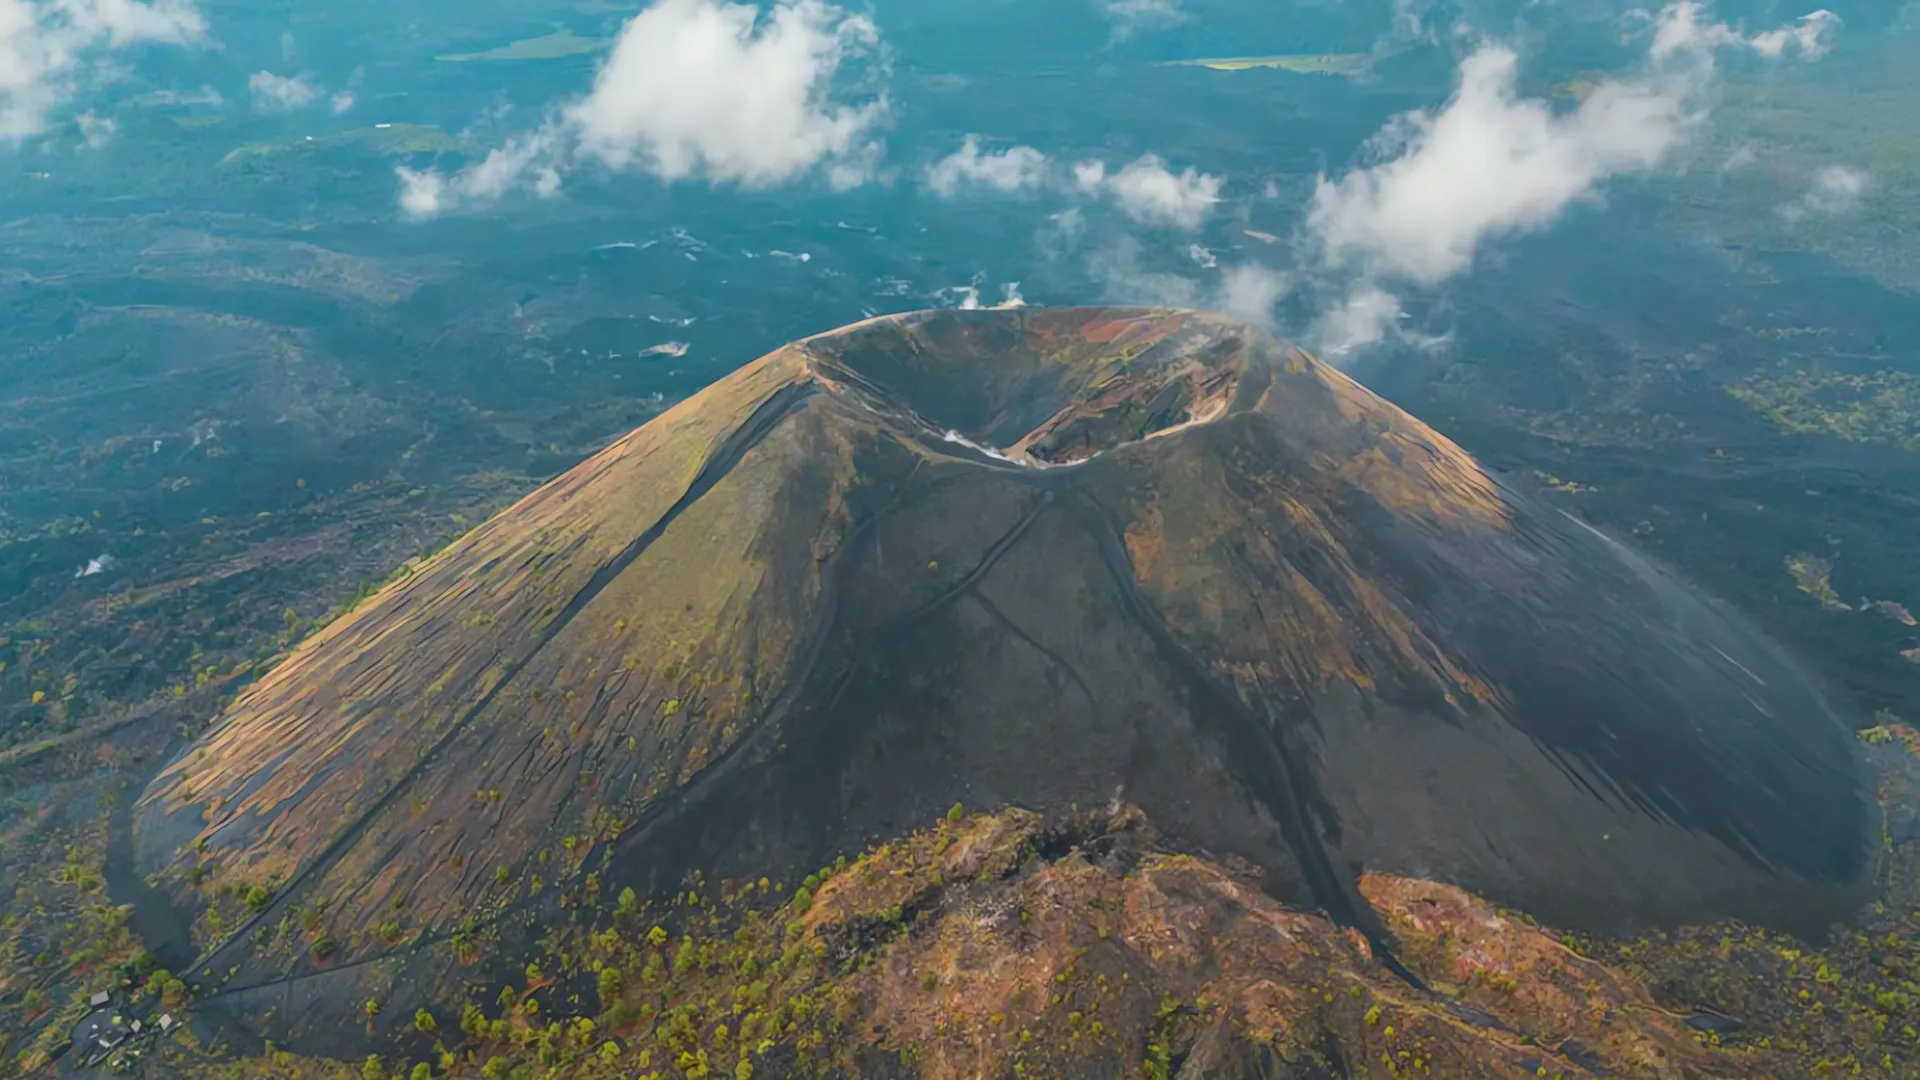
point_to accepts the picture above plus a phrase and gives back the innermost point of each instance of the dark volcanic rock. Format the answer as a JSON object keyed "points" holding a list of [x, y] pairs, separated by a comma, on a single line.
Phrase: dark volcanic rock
{"points": [[1004, 557]]}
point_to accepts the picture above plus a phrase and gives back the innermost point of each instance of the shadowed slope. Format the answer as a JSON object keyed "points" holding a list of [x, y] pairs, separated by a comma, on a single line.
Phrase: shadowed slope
{"points": [[1035, 558]]}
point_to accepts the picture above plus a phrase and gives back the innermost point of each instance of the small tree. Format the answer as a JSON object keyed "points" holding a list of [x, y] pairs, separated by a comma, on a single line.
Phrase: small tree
{"points": [[421, 1071], [424, 1022], [955, 812], [371, 1069]]}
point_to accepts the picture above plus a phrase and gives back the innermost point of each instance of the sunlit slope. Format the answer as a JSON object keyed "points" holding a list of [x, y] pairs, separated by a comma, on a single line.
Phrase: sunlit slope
{"points": [[1039, 558]]}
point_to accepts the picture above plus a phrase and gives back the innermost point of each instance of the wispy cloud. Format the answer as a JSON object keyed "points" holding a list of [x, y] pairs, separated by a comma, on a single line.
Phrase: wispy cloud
{"points": [[704, 90], [1120, 266], [525, 159], [281, 93], [1250, 291], [51, 49], [1145, 189], [1012, 169], [205, 95], [1489, 163], [1129, 16], [1151, 194], [1485, 164], [1129, 274], [701, 88], [1686, 27], [95, 131], [1835, 189]]}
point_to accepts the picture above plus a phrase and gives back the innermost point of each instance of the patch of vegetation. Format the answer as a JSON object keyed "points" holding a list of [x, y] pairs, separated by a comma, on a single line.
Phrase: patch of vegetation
{"points": [[1813, 575], [560, 43], [1297, 63], [1005, 945], [1882, 407], [61, 937], [393, 140]]}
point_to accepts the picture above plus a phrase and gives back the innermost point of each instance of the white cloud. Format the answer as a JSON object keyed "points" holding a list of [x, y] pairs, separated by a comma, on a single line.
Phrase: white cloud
{"points": [[206, 95], [1012, 169], [426, 193], [1686, 27], [1131, 15], [1836, 189], [96, 131], [1489, 163], [1061, 234], [711, 89], [1250, 291], [51, 48], [969, 297], [1118, 267], [1151, 194], [423, 193], [1145, 189], [1365, 316], [700, 89], [503, 167], [1485, 164], [340, 102], [280, 93], [1809, 36]]}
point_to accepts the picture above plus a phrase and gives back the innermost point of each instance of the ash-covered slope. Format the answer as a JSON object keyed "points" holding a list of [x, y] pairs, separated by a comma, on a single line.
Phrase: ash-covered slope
{"points": [[1000, 557]]}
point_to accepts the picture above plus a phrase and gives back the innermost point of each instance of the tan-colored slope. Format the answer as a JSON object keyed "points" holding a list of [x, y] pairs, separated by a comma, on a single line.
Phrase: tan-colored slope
{"points": [[486, 711]]}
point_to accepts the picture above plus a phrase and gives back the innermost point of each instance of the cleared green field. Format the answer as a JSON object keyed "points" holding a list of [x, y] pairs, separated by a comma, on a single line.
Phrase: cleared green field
{"points": [[1298, 63], [552, 46]]}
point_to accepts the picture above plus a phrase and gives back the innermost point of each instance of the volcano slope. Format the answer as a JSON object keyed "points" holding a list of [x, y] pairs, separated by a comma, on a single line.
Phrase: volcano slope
{"points": [[1032, 558]]}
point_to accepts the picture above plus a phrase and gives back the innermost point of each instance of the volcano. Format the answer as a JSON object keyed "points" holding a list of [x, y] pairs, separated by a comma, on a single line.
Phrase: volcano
{"points": [[1036, 558]]}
